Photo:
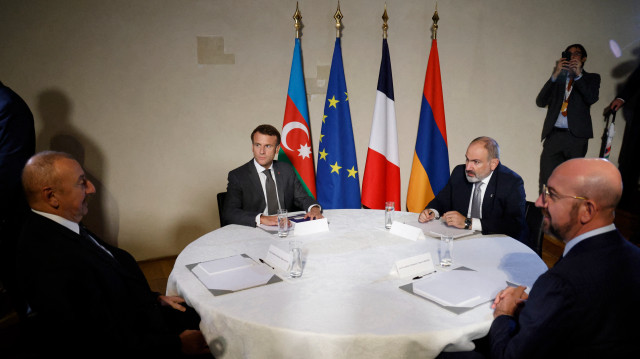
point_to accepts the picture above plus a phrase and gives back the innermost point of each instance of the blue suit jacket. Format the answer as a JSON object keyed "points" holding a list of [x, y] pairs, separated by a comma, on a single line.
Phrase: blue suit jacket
{"points": [[586, 306], [503, 203], [245, 197]]}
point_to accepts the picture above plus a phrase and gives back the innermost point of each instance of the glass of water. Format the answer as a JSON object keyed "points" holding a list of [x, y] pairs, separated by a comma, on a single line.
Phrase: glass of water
{"points": [[295, 266], [283, 223], [389, 208], [446, 251]]}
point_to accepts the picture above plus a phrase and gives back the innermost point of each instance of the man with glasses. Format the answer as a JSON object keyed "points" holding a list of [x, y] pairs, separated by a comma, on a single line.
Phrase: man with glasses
{"points": [[586, 305], [568, 96]]}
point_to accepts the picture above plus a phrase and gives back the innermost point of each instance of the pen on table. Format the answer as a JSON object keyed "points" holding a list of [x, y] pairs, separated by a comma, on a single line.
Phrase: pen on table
{"points": [[420, 276], [265, 263]]}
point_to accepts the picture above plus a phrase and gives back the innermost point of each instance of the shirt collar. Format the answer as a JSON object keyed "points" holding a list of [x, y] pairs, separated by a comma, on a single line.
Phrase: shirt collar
{"points": [[572, 243], [259, 167], [73, 226]]}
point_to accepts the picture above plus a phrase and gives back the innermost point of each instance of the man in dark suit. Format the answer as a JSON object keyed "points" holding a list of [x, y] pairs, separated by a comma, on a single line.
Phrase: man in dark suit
{"points": [[568, 96], [586, 306], [91, 299], [247, 199], [17, 144], [499, 192]]}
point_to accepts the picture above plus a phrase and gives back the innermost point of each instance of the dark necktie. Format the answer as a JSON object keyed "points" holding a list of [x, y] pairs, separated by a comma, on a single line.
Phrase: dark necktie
{"points": [[91, 242], [475, 202], [272, 196]]}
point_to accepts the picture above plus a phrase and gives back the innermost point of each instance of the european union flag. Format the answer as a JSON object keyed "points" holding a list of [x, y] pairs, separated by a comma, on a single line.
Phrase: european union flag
{"points": [[337, 180]]}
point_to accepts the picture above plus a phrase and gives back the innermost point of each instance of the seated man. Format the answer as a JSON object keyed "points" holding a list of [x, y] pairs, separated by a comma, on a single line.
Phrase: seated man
{"points": [[252, 198], [91, 299], [586, 306], [483, 195]]}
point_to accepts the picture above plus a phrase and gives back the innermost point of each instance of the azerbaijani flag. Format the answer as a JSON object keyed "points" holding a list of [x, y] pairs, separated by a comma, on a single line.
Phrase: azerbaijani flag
{"points": [[381, 180], [295, 146], [430, 169]]}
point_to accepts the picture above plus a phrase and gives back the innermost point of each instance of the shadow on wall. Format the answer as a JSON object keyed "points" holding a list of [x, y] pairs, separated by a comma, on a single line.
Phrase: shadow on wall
{"points": [[59, 134]]}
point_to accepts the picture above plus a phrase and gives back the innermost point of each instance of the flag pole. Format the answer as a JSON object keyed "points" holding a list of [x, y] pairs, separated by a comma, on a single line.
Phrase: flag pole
{"points": [[338, 16], [385, 18], [435, 19], [297, 19]]}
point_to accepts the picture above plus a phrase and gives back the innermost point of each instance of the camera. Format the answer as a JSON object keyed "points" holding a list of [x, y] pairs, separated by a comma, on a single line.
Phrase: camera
{"points": [[566, 55]]}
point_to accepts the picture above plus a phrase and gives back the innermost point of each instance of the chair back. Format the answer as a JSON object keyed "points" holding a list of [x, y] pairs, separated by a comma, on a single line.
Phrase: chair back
{"points": [[220, 198], [533, 216]]}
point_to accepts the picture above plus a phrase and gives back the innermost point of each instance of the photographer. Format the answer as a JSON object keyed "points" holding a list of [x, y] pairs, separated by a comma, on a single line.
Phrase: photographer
{"points": [[568, 96]]}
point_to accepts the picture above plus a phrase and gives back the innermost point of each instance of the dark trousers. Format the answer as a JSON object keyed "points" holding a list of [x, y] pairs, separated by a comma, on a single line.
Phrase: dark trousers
{"points": [[558, 147]]}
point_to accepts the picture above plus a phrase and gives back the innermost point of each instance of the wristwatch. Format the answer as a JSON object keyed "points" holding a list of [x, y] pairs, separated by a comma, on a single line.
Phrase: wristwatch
{"points": [[467, 223]]}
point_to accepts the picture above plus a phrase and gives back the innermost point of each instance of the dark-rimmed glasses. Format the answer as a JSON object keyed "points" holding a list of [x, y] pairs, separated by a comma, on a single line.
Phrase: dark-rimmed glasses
{"points": [[554, 196]]}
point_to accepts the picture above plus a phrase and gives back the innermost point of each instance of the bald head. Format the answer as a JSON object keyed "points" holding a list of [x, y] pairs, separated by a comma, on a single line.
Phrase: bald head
{"points": [[40, 172], [594, 178]]}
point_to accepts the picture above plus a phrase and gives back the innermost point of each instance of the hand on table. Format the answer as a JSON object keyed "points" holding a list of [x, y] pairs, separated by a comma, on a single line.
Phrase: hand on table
{"points": [[426, 216], [314, 213], [173, 302], [453, 219], [509, 300]]}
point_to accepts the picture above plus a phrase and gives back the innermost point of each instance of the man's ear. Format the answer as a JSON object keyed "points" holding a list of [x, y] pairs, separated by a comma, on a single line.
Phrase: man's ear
{"points": [[494, 163], [49, 197], [589, 212]]}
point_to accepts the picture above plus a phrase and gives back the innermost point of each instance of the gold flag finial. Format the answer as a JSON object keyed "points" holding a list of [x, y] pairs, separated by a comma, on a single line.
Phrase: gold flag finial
{"points": [[338, 16], [297, 18], [385, 17], [435, 19]]}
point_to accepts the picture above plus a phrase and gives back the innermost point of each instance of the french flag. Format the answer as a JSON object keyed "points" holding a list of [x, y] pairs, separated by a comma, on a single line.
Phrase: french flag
{"points": [[381, 181]]}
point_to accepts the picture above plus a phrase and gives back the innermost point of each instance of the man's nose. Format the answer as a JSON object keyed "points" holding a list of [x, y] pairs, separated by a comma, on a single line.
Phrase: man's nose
{"points": [[540, 202], [90, 187]]}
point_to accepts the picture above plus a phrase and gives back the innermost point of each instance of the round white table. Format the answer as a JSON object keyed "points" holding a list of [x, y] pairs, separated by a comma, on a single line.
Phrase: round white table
{"points": [[347, 304]]}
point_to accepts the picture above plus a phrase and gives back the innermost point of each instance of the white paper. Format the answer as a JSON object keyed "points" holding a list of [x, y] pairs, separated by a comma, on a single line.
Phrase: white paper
{"points": [[278, 258], [437, 228], [310, 227], [225, 264], [234, 280], [405, 231], [458, 288], [232, 273], [415, 266]]}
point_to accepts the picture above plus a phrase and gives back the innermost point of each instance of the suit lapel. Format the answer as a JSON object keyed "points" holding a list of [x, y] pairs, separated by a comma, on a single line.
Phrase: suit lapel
{"points": [[254, 178], [490, 192]]}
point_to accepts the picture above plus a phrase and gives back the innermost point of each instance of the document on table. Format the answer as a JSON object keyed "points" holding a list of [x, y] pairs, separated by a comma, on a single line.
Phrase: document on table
{"points": [[437, 228], [458, 288], [232, 274]]}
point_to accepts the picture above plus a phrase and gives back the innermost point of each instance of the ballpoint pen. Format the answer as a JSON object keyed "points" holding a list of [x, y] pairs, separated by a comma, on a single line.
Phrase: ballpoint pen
{"points": [[265, 263]]}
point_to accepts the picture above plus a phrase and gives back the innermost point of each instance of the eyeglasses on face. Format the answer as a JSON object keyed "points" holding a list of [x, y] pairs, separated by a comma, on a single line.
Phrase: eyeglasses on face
{"points": [[546, 195]]}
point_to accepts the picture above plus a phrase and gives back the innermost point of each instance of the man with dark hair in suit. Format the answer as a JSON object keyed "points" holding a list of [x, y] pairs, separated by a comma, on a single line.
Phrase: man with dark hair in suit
{"points": [[586, 306], [483, 195], [252, 197], [91, 299], [568, 96]]}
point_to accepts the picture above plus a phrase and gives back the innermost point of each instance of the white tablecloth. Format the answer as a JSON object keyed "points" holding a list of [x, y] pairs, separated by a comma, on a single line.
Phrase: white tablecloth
{"points": [[348, 303]]}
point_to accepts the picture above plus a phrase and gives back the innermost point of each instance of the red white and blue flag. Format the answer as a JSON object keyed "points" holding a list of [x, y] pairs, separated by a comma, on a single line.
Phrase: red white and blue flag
{"points": [[381, 181]]}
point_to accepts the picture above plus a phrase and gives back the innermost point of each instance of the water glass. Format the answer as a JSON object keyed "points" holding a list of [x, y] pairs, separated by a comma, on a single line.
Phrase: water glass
{"points": [[389, 208], [295, 266], [283, 223], [446, 251]]}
